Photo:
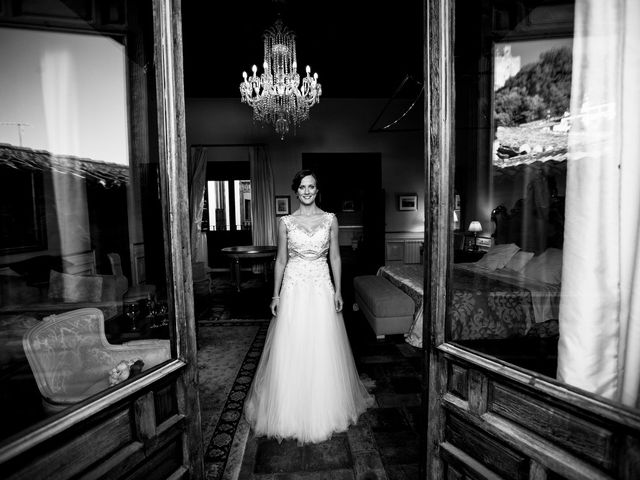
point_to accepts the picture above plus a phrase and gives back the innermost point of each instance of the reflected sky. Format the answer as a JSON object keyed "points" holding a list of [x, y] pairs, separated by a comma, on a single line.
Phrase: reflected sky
{"points": [[70, 91]]}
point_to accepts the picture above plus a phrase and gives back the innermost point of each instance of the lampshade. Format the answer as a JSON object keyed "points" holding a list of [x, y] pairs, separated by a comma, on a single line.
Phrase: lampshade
{"points": [[475, 226]]}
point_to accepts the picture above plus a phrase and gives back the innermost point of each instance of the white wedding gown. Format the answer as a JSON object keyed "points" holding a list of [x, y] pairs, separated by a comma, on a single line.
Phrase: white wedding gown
{"points": [[306, 386]]}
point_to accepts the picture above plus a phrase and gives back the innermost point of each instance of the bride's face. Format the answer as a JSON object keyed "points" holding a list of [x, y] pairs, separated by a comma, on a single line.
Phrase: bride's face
{"points": [[307, 190]]}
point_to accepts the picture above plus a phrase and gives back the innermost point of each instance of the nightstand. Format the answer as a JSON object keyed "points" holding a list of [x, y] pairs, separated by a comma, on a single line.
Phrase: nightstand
{"points": [[467, 256]]}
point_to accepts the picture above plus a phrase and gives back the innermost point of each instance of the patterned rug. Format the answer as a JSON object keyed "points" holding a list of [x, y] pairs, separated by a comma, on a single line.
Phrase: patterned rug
{"points": [[227, 359]]}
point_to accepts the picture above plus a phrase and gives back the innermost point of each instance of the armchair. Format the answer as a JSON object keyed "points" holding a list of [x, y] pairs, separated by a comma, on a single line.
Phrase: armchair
{"points": [[71, 358]]}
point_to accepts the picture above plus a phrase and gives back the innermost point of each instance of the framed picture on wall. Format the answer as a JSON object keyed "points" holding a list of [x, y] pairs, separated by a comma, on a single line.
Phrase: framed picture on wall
{"points": [[348, 206], [283, 205], [408, 202]]}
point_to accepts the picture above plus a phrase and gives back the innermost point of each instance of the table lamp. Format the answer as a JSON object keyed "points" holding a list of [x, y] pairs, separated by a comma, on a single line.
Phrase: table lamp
{"points": [[475, 227]]}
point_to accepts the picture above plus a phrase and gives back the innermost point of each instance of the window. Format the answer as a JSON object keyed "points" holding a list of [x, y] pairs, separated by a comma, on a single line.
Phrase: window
{"points": [[229, 204]]}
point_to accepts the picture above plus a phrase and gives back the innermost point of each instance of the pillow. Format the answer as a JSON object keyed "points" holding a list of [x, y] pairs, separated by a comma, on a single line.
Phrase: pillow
{"points": [[498, 256], [519, 260], [74, 288], [546, 267]]}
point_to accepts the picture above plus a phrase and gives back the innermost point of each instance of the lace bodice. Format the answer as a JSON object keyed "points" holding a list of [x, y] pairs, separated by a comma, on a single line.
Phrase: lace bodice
{"points": [[307, 250], [308, 243]]}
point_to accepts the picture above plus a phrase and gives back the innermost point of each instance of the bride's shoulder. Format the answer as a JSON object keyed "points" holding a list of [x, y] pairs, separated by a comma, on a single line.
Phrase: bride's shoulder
{"points": [[331, 218], [285, 220]]}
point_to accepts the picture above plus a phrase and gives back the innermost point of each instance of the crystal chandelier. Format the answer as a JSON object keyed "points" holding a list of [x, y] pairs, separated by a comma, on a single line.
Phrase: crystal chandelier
{"points": [[276, 96]]}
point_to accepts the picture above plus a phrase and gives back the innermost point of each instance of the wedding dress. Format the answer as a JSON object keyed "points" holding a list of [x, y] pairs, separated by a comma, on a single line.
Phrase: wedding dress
{"points": [[306, 386]]}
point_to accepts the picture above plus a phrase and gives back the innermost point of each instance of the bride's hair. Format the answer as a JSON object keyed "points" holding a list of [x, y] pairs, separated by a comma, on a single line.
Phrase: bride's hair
{"points": [[297, 179]]}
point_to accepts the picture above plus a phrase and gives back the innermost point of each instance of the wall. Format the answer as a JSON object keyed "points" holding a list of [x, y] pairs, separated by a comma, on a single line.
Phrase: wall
{"points": [[336, 125]]}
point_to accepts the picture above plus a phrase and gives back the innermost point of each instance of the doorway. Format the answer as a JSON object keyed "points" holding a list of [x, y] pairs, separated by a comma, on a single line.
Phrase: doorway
{"points": [[351, 187]]}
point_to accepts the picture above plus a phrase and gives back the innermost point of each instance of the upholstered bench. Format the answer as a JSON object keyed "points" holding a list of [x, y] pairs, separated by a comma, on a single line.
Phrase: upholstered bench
{"points": [[388, 309]]}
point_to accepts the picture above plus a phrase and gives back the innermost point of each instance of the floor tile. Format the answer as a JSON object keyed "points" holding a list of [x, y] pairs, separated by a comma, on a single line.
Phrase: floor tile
{"points": [[406, 384], [409, 351], [332, 454], [402, 472], [274, 457], [413, 416], [398, 400], [361, 439], [386, 420], [377, 358], [397, 447], [343, 474], [369, 466]]}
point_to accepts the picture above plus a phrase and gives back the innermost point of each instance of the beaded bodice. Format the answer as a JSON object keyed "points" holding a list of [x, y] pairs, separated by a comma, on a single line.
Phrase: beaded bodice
{"points": [[307, 250]]}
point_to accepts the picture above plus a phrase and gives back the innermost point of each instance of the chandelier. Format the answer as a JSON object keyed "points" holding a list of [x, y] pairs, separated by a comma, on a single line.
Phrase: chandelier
{"points": [[276, 96]]}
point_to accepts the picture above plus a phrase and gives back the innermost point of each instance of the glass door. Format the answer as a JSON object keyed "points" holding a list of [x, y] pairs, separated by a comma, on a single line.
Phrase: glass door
{"points": [[98, 337], [529, 326]]}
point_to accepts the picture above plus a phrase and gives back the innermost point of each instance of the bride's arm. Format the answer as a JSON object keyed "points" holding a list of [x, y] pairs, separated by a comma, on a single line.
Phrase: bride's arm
{"points": [[280, 263], [336, 263]]}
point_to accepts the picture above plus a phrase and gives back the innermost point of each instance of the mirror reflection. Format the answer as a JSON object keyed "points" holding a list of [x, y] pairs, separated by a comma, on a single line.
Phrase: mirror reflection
{"points": [[545, 241], [500, 290], [78, 312]]}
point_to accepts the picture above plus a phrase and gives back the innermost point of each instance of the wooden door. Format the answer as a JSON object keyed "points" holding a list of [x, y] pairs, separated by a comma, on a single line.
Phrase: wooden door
{"points": [[149, 426], [351, 187], [488, 417]]}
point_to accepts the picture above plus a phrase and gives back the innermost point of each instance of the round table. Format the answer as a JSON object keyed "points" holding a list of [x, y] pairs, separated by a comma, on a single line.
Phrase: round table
{"points": [[252, 253]]}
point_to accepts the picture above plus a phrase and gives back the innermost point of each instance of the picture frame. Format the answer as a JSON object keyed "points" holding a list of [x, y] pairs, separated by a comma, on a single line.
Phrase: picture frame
{"points": [[348, 206], [408, 202], [283, 205]]}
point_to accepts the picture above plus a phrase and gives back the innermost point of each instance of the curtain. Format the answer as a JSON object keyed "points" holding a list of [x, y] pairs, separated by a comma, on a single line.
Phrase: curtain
{"points": [[599, 313], [197, 181], [263, 216]]}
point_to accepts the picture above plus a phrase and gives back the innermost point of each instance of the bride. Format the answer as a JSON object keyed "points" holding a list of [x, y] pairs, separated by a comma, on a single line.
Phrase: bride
{"points": [[306, 386]]}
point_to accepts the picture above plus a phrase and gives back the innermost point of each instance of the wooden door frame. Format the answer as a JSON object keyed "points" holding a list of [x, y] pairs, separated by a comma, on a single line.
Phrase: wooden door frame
{"points": [[167, 19], [447, 363]]}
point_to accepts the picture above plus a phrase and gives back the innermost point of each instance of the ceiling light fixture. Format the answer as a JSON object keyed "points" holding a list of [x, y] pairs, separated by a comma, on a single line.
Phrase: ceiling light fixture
{"points": [[276, 96]]}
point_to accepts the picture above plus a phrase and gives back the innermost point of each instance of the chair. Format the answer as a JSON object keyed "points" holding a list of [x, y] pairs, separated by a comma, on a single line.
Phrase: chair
{"points": [[71, 358], [134, 292]]}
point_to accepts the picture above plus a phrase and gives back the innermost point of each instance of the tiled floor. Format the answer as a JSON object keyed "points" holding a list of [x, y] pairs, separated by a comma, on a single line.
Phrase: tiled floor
{"points": [[385, 442]]}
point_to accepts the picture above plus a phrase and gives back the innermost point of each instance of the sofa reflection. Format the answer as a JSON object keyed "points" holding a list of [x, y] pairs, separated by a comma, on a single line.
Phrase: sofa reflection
{"points": [[46, 284]]}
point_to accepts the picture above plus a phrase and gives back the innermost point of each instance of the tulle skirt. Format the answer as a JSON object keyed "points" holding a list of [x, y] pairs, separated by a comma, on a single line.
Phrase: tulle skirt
{"points": [[306, 385]]}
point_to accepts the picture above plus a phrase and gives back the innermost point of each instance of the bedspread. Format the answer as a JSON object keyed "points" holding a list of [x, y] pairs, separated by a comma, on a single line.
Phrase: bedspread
{"points": [[485, 305], [409, 279], [490, 305]]}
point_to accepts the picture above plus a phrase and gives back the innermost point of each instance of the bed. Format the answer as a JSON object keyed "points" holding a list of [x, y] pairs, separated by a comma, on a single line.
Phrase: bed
{"points": [[409, 279], [510, 292]]}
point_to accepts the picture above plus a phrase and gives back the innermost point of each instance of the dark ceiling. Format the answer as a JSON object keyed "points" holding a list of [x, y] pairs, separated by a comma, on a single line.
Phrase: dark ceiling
{"points": [[358, 50]]}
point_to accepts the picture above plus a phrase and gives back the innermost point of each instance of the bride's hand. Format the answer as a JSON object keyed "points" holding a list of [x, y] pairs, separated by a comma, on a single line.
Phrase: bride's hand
{"points": [[273, 306], [337, 300]]}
